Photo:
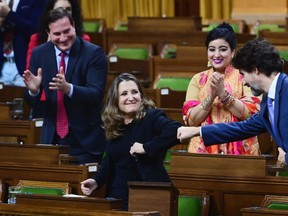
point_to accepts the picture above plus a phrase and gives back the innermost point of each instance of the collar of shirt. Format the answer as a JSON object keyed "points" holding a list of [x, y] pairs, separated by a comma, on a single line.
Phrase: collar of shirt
{"points": [[58, 57], [272, 89], [15, 4]]}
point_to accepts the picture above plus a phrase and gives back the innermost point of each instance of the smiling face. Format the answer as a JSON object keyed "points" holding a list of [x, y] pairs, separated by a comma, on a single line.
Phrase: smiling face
{"points": [[62, 33], [129, 101], [219, 54], [251, 80]]}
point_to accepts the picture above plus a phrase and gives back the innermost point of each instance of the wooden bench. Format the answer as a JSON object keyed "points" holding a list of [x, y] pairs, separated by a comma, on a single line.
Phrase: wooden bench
{"points": [[12, 93], [156, 38], [164, 24], [98, 36], [21, 131], [268, 207], [69, 201], [31, 210], [31, 153], [232, 184], [11, 173], [156, 196]]}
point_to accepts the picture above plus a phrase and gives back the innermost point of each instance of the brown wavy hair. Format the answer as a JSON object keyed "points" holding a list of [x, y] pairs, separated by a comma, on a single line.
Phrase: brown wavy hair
{"points": [[112, 117]]}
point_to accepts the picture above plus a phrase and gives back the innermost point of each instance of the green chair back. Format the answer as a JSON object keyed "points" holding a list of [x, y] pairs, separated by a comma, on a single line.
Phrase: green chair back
{"points": [[189, 206], [132, 53], [284, 54], [174, 83], [270, 27], [42, 190], [279, 206], [91, 26], [121, 28]]}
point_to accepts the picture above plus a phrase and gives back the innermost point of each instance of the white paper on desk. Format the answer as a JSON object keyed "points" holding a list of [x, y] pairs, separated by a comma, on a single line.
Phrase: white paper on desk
{"points": [[74, 195]]}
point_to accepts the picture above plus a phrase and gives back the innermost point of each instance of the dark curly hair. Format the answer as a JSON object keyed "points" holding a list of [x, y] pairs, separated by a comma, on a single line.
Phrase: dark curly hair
{"points": [[260, 54], [223, 31]]}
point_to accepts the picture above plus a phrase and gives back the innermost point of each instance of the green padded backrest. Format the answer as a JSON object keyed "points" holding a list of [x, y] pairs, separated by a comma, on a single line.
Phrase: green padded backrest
{"points": [[42, 190], [279, 206], [174, 83], [91, 26], [121, 28], [189, 206], [283, 173], [284, 54], [270, 27], [170, 53], [132, 53]]}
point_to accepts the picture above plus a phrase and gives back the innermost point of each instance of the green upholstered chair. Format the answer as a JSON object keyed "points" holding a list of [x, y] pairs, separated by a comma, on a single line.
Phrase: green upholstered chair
{"points": [[189, 205], [279, 206], [269, 27], [193, 205], [91, 26], [132, 53], [284, 54], [42, 187], [174, 83]]}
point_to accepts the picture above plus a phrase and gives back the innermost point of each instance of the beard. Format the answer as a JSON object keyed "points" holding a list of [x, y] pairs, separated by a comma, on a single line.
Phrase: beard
{"points": [[255, 89], [256, 92]]}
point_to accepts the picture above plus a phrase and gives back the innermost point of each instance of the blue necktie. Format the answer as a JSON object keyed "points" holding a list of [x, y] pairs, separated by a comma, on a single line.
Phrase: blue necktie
{"points": [[271, 111]]}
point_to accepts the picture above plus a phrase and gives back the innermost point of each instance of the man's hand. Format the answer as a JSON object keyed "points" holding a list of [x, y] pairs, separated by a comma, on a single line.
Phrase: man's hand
{"points": [[184, 133], [31, 81], [59, 83], [281, 157]]}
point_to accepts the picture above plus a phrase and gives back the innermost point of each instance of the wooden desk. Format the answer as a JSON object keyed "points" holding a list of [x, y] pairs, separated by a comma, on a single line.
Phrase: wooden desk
{"points": [[156, 196], [24, 131], [31, 153], [233, 182], [257, 211], [31, 210], [87, 203], [11, 173]]}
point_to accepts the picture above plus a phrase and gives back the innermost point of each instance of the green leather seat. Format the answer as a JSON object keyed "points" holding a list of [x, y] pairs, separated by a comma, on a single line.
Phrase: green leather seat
{"points": [[91, 26], [42, 190], [284, 54], [132, 53], [174, 83], [270, 27], [189, 206], [279, 206]]}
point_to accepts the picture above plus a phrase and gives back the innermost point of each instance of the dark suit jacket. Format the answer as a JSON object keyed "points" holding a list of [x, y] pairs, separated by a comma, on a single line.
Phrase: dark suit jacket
{"points": [[87, 71], [25, 21], [256, 124], [157, 134]]}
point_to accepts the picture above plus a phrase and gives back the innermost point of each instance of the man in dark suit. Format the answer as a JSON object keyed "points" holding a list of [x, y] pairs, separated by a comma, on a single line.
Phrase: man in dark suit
{"points": [[81, 81], [260, 64], [18, 21]]}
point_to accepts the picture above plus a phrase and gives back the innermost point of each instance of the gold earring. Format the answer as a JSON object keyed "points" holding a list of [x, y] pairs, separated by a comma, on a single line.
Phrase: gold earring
{"points": [[209, 64]]}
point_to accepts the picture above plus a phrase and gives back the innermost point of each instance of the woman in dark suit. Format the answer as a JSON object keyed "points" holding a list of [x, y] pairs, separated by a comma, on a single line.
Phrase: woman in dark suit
{"points": [[139, 136]]}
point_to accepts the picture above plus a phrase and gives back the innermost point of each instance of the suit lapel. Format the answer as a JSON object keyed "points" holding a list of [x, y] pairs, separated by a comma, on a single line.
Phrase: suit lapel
{"points": [[73, 58]]}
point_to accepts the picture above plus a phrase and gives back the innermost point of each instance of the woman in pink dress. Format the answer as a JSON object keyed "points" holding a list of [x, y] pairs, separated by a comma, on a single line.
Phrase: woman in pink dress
{"points": [[219, 95]]}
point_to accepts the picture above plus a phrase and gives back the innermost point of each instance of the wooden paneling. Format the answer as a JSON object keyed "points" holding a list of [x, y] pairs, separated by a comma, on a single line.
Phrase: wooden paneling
{"points": [[229, 192], [31, 154], [25, 131]]}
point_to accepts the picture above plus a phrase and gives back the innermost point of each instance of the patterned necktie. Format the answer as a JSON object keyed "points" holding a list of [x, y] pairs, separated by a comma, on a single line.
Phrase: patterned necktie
{"points": [[8, 38], [271, 111], [62, 120]]}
